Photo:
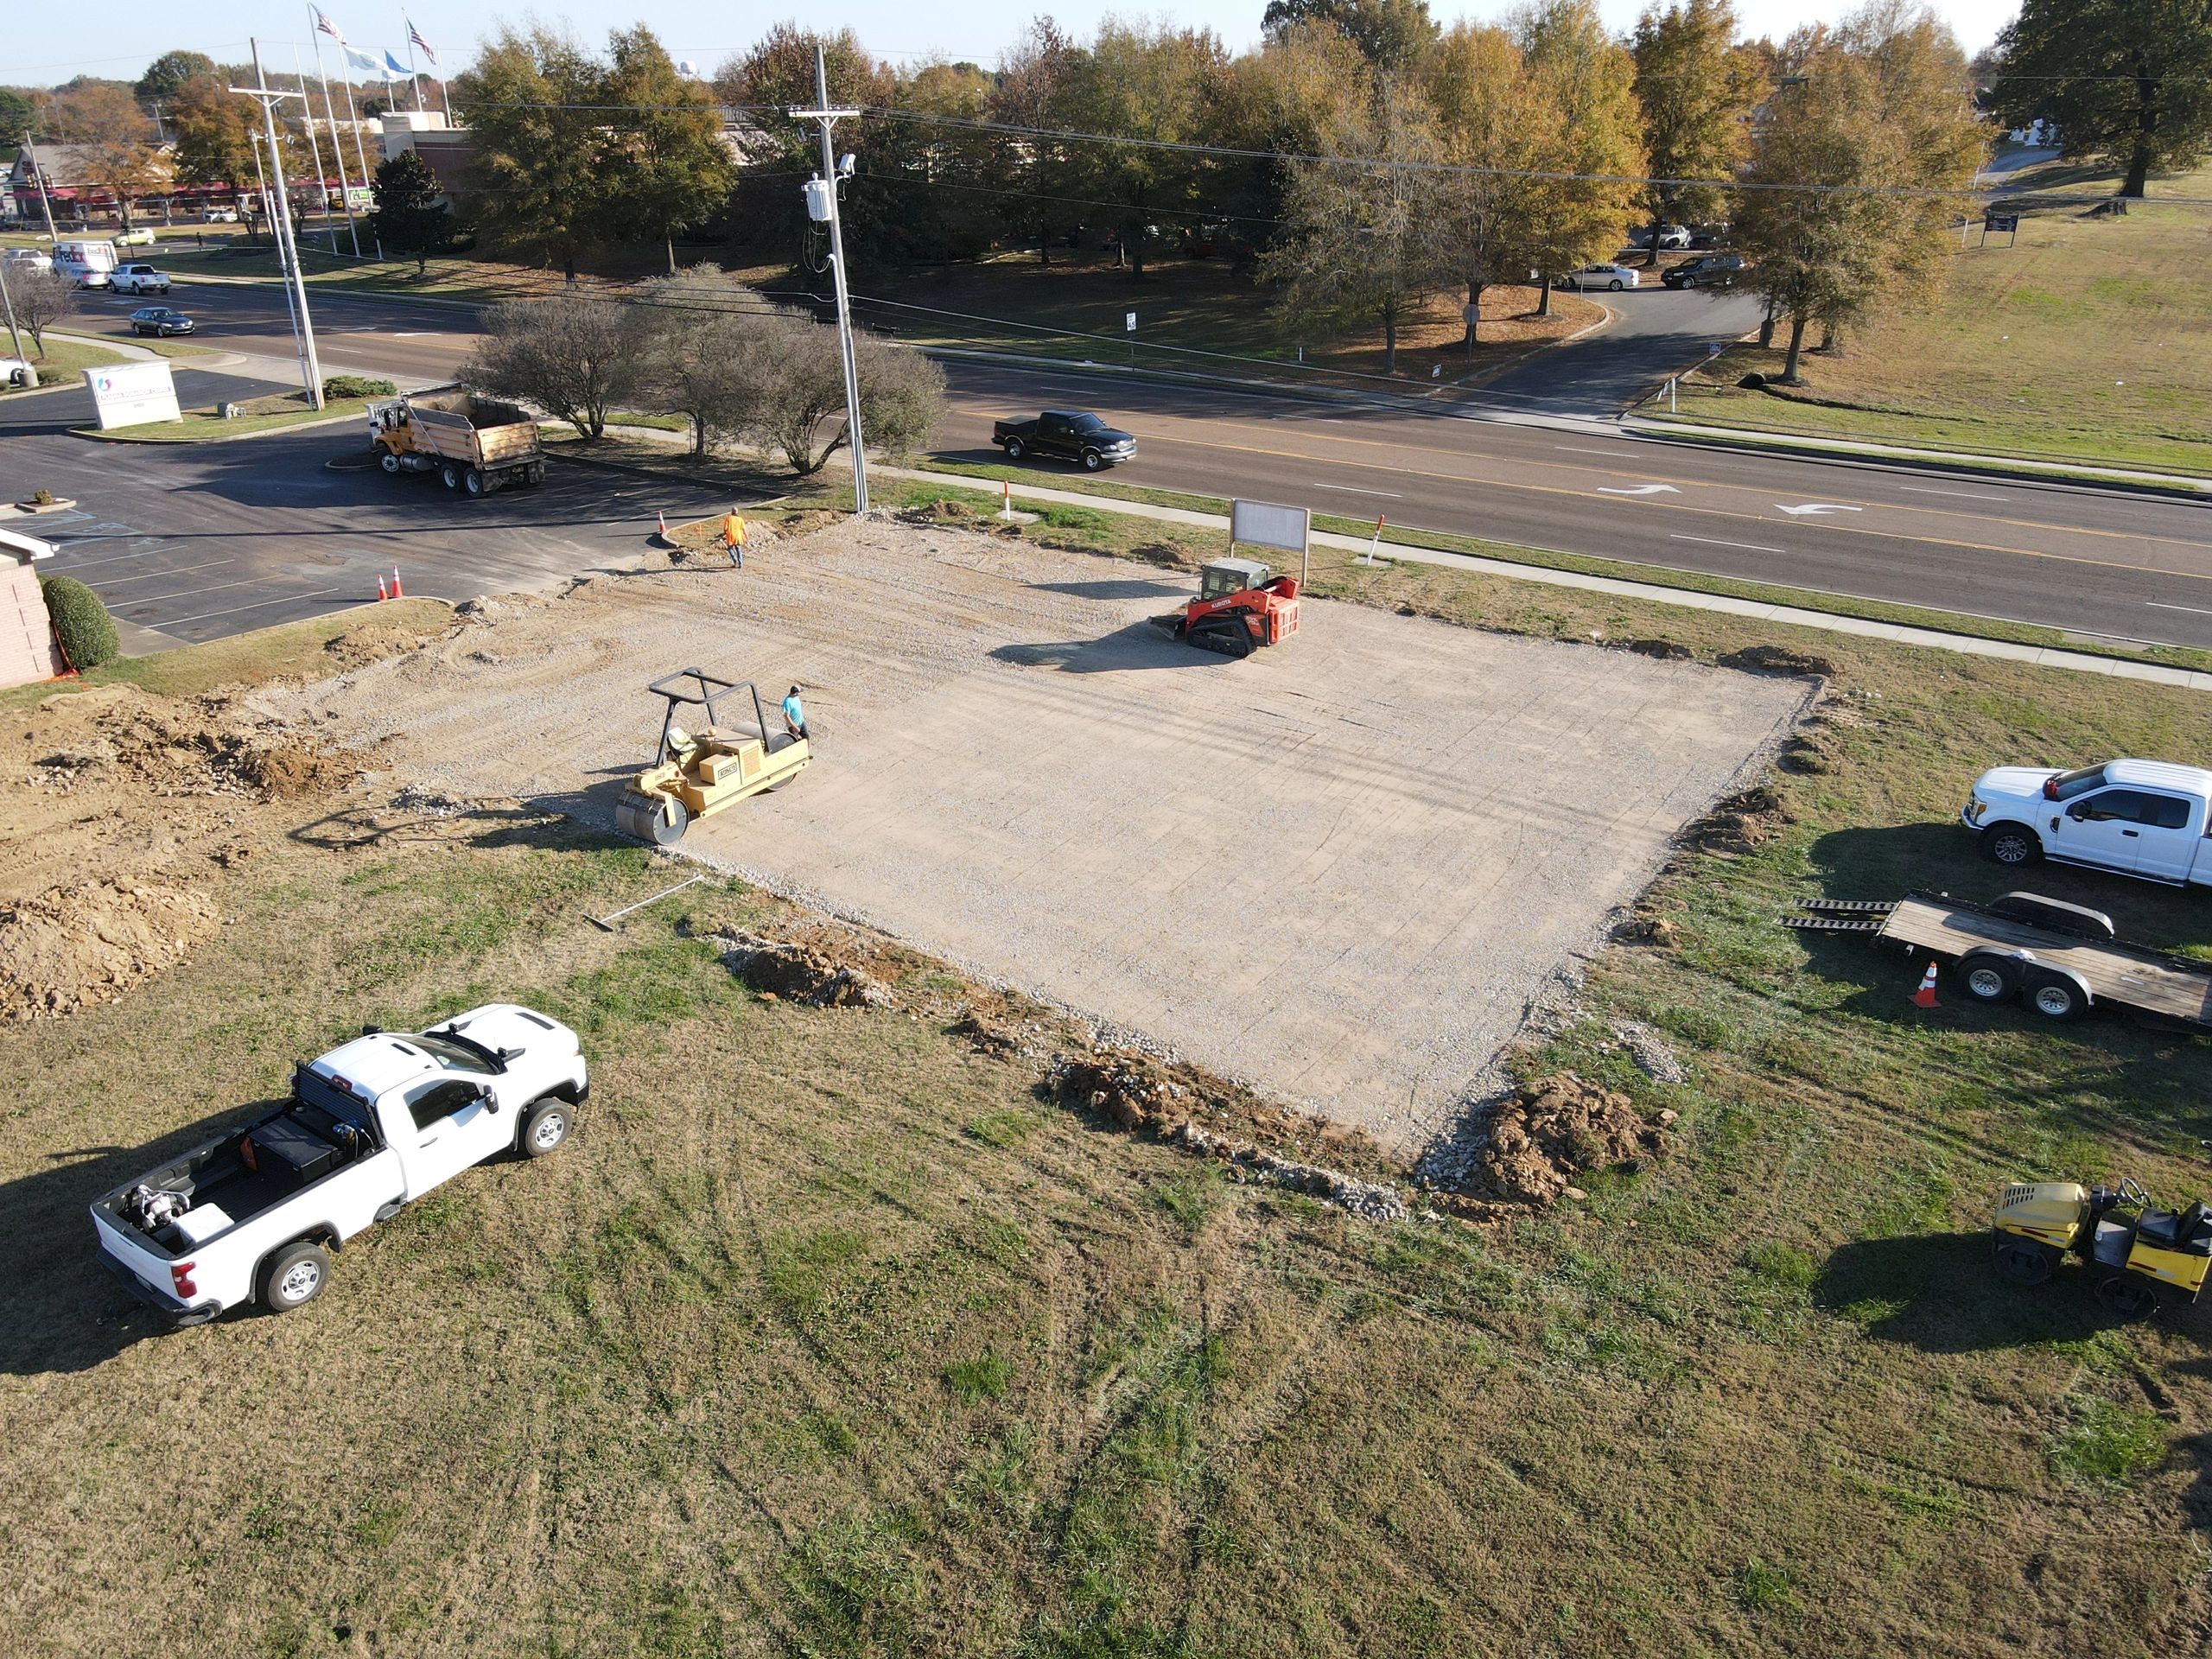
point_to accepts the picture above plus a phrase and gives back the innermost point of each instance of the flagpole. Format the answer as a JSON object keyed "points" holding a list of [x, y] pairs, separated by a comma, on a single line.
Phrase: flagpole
{"points": [[337, 144], [314, 149], [413, 80]]}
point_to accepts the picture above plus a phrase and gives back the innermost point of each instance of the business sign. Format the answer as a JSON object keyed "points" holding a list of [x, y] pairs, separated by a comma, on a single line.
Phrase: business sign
{"points": [[2004, 221], [1263, 524], [133, 394]]}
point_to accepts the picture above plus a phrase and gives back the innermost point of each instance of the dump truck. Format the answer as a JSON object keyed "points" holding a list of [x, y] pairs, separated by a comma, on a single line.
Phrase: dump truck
{"points": [[473, 444]]}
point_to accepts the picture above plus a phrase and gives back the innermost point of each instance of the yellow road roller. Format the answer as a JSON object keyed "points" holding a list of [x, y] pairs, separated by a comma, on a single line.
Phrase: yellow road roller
{"points": [[696, 774], [2137, 1252]]}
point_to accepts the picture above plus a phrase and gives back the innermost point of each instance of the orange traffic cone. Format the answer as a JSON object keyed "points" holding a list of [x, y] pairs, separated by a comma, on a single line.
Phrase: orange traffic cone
{"points": [[1925, 996], [398, 592], [661, 518], [380, 591]]}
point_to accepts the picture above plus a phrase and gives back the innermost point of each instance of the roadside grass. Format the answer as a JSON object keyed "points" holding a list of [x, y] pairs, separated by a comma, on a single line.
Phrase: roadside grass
{"points": [[63, 361], [2088, 341], [274, 413], [828, 1333]]}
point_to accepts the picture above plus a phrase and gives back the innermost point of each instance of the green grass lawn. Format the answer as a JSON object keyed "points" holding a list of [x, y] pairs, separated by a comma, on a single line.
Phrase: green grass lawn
{"points": [[2091, 341], [828, 1333], [272, 414], [64, 360]]}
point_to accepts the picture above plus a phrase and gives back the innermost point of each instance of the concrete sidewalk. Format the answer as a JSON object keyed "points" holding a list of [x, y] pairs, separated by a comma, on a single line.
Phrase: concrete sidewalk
{"points": [[1797, 616]]}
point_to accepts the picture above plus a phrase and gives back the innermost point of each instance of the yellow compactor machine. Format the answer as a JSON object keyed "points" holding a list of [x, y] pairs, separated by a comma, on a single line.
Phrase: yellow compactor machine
{"points": [[2137, 1251], [694, 775]]}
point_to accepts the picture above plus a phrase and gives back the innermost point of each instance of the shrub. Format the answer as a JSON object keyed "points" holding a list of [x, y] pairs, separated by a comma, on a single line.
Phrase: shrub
{"points": [[80, 622], [354, 385]]}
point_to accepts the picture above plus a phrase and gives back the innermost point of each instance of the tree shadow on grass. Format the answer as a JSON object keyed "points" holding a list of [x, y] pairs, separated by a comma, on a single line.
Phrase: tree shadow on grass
{"points": [[66, 1312]]}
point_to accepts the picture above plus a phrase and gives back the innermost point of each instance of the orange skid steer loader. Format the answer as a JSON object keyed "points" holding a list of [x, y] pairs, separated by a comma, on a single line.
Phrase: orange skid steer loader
{"points": [[1241, 607]]}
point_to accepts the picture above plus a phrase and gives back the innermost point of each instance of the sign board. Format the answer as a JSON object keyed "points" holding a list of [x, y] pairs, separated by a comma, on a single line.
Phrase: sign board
{"points": [[2004, 221], [1129, 320], [133, 394], [1260, 524]]}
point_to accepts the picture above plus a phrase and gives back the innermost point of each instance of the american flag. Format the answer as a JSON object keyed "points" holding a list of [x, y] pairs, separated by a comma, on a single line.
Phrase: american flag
{"points": [[323, 22], [415, 35]]}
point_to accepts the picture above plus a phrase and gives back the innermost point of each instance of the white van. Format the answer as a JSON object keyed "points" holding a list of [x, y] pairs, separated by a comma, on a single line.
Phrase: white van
{"points": [[85, 264]]}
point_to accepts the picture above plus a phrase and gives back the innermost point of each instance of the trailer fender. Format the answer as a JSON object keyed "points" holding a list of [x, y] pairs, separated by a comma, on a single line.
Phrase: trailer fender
{"points": [[1993, 974]]}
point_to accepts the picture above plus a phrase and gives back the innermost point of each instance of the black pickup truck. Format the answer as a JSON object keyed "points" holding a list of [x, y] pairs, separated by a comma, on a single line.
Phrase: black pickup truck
{"points": [[1066, 436]]}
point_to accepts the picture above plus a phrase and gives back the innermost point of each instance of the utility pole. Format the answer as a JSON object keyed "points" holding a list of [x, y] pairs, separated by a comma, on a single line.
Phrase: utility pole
{"points": [[8, 306], [46, 201], [822, 204], [269, 214], [287, 249]]}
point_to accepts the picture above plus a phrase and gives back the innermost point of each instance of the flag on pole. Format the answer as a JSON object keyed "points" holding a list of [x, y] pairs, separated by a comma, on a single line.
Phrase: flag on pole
{"points": [[357, 59], [322, 21], [415, 35], [394, 70]]}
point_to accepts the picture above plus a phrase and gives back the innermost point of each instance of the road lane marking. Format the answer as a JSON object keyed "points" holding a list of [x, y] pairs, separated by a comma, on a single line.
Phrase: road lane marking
{"points": [[1640, 489], [2198, 610], [1352, 489], [1963, 495], [1748, 547], [1577, 449], [1817, 508]]}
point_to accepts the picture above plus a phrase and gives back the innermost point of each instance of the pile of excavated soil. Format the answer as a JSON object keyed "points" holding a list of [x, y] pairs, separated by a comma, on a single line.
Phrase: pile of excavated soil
{"points": [[1741, 822], [77, 946], [197, 746], [822, 971], [1556, 1132]]}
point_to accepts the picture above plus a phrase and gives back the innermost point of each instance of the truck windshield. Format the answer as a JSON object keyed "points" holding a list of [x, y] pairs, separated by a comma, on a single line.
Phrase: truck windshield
{"points": [[2080, 781], [456, 1053], [1085, 423]]}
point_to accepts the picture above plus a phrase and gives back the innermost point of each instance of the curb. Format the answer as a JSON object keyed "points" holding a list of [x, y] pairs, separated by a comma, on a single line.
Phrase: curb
{"points": [[234, 437], [1689, 599]]}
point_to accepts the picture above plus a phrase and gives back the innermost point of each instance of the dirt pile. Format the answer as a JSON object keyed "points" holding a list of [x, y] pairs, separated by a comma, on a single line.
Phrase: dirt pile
{"points": [[1538, 1143], [823, 971], [1778, 659], [172, 747], [1741, 822], [77, 946], [361, 645]]}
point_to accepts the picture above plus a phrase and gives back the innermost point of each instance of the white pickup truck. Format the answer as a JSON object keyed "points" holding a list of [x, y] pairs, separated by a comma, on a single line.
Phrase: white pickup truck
{"points": [[2134, 817], [374, 1124]]}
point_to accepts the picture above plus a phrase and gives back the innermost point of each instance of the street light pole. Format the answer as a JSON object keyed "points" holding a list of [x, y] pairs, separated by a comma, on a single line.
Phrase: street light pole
{"points": [[288, 250], [821, 204]]}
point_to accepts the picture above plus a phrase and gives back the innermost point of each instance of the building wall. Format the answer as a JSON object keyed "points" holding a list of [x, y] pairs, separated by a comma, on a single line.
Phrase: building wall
{"points": [[27, 649]]}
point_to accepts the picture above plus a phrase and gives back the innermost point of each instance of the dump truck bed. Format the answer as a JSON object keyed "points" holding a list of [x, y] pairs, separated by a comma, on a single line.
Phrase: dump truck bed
{"points": [[2132, 975], [482, 431]]}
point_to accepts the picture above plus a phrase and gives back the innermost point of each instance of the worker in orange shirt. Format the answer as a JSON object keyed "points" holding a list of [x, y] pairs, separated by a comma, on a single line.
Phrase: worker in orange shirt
{"points": [[733, 534]]}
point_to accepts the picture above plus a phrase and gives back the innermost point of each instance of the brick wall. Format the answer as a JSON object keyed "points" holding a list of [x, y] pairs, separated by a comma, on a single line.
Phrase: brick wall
{"points": [[27, 649]]}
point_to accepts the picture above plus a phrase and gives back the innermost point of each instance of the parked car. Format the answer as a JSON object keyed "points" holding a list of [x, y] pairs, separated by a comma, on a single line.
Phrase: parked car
{"points": [[1670, 236], [1066, 436], [28, 260], [138, 238], [1708, 236], [369, 1127], [1714, 271], [138, 279], [2144, 819], [159, 320], [219, 216], [1614, 277]]}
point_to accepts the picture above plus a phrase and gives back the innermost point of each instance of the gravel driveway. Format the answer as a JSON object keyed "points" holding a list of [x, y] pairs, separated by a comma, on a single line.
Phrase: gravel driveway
{"points": [[1339, 869]]}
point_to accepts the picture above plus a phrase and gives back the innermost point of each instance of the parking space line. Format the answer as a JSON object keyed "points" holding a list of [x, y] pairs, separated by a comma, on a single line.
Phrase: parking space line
{"points": [[283, 599], [194, 592], [156, 575]]}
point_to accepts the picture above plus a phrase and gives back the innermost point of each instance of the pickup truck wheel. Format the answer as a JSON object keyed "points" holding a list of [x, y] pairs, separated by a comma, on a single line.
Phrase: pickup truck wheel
{"points": [[1013, 448], [294, 1277], [1092, 460], [545, 1128], [389, 462], [2011, 844]]}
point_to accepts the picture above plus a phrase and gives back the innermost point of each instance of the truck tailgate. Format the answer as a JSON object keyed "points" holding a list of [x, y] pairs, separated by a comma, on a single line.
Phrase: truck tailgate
{"points": [[511, 442]]}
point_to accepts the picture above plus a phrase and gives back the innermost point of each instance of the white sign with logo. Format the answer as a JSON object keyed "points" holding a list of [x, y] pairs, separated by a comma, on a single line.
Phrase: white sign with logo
{"points": [[133, 394]]}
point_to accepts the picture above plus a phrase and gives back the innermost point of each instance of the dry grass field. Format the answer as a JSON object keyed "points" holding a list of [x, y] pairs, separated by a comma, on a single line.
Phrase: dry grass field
{"points": [[830, 1333]]}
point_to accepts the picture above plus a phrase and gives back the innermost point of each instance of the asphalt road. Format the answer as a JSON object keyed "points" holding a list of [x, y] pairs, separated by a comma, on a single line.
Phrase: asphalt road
{"points": [[2085, 561], [1655, 332], [200, 541]]}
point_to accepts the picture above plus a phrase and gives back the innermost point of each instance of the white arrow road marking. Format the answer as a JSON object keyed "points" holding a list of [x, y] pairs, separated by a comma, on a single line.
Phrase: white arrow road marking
{"points": [[1640, 489], [1816, 508]]}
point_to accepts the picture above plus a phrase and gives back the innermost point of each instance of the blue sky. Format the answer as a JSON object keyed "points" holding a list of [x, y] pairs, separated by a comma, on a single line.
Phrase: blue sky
{"points": [[44, 43]]}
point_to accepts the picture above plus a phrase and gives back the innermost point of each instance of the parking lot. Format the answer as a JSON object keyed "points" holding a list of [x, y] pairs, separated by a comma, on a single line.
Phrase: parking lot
{"points": [[189, 543], [1340, 868]]}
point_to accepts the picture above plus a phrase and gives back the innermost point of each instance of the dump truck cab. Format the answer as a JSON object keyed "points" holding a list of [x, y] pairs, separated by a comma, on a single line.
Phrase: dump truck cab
{"points": [[696, 773], [2138, 1251], [1241, 606]]}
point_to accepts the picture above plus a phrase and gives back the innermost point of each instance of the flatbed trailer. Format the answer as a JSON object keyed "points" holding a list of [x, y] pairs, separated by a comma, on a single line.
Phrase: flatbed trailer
{"points": [[2060, 959]]}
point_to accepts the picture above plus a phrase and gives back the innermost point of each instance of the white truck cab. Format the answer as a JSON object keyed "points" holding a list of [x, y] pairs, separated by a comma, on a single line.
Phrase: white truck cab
{"points": [[370, 1127], [2144, 818]]}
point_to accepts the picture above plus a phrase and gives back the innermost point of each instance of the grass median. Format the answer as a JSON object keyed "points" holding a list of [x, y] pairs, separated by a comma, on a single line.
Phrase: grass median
{"points": [[831, 1331]]}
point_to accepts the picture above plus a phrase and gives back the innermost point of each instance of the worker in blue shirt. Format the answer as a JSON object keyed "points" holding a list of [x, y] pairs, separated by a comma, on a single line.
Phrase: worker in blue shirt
{"points": [[795, 715]]}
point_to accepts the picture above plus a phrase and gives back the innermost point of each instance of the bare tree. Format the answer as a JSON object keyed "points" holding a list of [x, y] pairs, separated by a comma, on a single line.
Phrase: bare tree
{"points": [[42, 298], [706, 330], [802, 391], [573, 357], [902, 395]]}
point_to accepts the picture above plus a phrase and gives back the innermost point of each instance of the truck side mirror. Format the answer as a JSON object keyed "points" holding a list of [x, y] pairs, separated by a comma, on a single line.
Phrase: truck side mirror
{"points": [[2079, 811], [491, 1100]]}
